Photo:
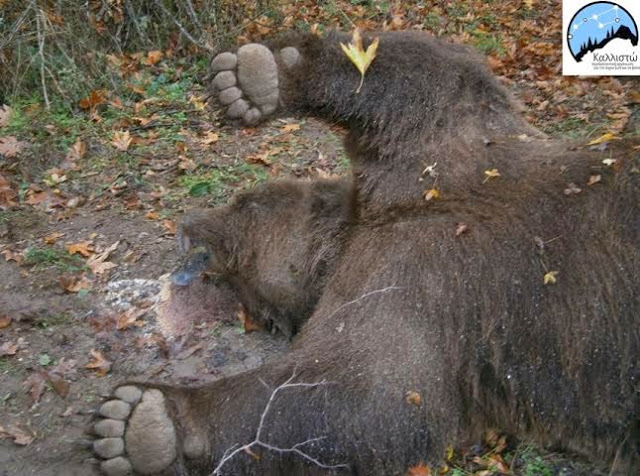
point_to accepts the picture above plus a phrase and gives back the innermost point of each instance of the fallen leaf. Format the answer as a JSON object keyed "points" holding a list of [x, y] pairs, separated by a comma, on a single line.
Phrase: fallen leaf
{"points": [[7, 194], [20, 437], [152, 215], [98, 262], [603, 138], [594, 179], [8, 348], [493, 173], [153, 57], [420, 469], [10, 146], [77, 150], [5, 114], [413, 398], [12, 256], [35, 385], [94, 99], [432, 194], [572, 189], [85, 248], [130, 318], [209, 138], [98, 363], [245, 319], [51, 238], [290, 128], [5, 321], [461, 228], [170, 226], [550, 277], [59, 385], [359, 57], [74, 284], [121, 140]]}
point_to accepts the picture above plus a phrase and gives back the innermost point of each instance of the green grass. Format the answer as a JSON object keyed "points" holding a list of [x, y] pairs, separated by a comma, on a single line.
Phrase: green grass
{"points": [[54, 320], [489, 44], [220, 182], [52, 257]]}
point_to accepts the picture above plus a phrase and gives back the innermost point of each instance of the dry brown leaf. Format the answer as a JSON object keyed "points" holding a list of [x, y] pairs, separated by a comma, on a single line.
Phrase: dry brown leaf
{"points": [[290, 128], [77, 150], [152, 215], [35, 385], [130, 318], [19, 437], [413, 398], [7, 194], [5, 321], [12, 256], [153, 57], [98, 262], [10, 146], [94, 99], [209, 138], [245, 319], [8, 348], [121, 140], [420, 469], [59, 385], [5, 114], [85, 248], [52, 238], [74, 284], [170, 226], [98, 363], [594, 179]]}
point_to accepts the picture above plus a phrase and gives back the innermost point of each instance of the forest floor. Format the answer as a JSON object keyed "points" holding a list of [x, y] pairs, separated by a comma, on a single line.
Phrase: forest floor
{"points": [[89, 201]]}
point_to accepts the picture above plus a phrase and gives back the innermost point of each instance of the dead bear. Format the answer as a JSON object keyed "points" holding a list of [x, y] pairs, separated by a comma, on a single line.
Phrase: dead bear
{"points": [[528, 321], [275, 245]]}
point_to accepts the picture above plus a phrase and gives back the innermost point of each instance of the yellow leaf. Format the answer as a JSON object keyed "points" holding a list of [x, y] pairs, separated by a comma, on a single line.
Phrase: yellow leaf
{"points": [[432, 194], [491, 174], [153, 57], [413, 398], [528, 4], [449, 453], [85, 248], [603, 138], [550, 277], [360, 57]]}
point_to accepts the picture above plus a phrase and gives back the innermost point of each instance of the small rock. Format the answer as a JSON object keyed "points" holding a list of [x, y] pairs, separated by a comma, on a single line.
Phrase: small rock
{"points": [[116, 467], [116, 409], [109, 447], [109, 428], [129, 394]]}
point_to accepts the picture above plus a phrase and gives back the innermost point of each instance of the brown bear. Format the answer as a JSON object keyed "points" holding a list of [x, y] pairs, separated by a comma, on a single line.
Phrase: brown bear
{"points": [[506, 298], [275, 245]]}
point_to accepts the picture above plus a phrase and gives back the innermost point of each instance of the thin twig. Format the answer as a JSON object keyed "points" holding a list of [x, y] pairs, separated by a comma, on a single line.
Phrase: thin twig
{"points": [[366, 295], [257, 442], [182, 28], [39, 26]]}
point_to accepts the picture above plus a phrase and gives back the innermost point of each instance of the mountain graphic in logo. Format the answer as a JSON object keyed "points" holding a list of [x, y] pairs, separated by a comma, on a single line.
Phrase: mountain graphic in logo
{"points": [[598, 23]]}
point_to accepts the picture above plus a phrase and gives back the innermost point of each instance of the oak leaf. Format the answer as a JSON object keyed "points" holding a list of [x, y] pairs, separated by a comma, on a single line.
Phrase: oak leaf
{"points": [[10, 146], [360, 57], [420, 469], [20, 437], [85, 248]]}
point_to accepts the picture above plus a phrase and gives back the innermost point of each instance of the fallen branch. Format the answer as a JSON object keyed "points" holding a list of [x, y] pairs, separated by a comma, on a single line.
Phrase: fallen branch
{"points": [[257, 441]]}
